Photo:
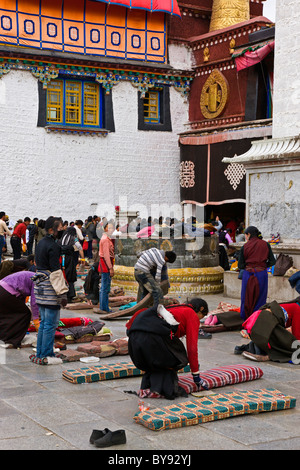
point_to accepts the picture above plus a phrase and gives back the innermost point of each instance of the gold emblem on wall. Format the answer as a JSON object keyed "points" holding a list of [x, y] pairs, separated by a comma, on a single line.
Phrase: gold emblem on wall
{"points": [[214, 95], [231, 46], [206, 55]]}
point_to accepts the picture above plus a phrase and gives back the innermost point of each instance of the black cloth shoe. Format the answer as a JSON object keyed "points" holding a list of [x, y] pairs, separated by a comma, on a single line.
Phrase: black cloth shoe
{"points": [[97, 434], [111, 438], [241, 349], [204, 335]]}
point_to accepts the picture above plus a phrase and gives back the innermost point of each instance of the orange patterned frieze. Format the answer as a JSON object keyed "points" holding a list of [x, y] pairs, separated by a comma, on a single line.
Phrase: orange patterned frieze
{"points": [[84, 27]]}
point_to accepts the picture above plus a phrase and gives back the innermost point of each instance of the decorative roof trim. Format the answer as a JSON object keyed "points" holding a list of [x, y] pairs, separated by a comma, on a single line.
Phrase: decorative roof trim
{"points": [[255, 22], [45, 72], [236, 131], [267, 151]]}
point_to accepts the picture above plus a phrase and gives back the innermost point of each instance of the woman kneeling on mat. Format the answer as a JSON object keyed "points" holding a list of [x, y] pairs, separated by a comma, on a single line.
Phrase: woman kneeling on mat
{"points": [[274, 331], [15, 316], [154, 346]]}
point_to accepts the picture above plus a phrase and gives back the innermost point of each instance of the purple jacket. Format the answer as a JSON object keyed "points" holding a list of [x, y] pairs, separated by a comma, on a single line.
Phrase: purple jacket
{"points": [[21, 285]]}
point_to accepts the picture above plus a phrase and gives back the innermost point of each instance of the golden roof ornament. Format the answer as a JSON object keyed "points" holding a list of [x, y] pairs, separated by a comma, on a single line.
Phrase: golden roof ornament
{"points": [[227, 13]]}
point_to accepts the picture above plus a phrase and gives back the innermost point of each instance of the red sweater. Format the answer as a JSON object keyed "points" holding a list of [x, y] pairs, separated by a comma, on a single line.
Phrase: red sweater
{"points": [[189, 324], [20, 231], [106, 253]]}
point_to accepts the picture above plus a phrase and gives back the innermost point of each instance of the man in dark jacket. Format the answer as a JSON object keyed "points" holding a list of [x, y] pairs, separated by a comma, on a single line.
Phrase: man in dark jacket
{"points": [[32, 230]]}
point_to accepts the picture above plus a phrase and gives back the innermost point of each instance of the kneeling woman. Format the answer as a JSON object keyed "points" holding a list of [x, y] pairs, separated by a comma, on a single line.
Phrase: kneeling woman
{"points": [[15, 316], [274, 332], [154, 345]]}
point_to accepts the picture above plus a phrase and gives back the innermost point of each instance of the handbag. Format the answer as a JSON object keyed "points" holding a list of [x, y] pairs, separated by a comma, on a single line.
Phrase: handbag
{"points": [[85, 245], [283, 263], [58, 282]]}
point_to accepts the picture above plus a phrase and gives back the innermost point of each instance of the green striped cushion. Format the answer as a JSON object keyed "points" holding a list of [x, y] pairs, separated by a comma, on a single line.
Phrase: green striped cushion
{"points": [[214, 407], [100, 372]]}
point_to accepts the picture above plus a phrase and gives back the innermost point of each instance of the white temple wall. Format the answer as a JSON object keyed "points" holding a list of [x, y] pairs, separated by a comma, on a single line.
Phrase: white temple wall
{"points": [[286, 99], [274, 201], [72, 175], [181, 57]]}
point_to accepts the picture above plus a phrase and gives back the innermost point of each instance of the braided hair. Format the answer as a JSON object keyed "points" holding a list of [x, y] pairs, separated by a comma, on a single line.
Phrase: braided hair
{"points": [[253, 232]]}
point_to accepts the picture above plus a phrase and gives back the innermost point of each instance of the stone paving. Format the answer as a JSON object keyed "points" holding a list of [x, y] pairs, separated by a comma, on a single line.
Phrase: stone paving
{"points": [[40, 410]]}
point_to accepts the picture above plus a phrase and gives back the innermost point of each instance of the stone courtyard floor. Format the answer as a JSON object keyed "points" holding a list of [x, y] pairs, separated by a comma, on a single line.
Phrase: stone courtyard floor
{"points": [[40, 410]]}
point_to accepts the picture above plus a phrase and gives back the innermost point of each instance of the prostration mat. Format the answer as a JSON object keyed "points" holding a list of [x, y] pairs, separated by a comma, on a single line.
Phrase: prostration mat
{"points": [[218, 377], [214, 407], [101, 372]]}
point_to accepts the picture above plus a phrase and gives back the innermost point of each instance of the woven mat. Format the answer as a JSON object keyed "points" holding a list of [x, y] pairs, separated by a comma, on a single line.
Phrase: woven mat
{"points": [[97, 373], [214, 407], [221, 376], [214, 378]]}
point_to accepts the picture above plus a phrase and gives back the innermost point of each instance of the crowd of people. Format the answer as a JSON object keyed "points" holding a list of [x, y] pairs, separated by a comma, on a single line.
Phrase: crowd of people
{"points": [[46, 254]]}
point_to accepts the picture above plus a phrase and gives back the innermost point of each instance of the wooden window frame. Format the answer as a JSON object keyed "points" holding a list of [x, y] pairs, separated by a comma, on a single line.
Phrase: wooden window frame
{"points": [[74, 101], [153, 94], [164, 124], [108, 122]]}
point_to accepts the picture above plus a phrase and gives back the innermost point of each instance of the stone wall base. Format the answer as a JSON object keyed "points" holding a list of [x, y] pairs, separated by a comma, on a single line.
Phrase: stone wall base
{"points": [[279, 287]]}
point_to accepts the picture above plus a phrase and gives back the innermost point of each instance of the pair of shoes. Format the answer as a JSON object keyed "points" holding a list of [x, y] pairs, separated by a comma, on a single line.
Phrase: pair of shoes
{"points": [[204, 335], [256, 357], [108, 438]]}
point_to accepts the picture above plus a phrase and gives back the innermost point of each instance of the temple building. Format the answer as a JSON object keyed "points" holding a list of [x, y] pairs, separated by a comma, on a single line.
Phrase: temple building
{"points": [[230, 106], [91, 106], [273, 166], [132, 100]]}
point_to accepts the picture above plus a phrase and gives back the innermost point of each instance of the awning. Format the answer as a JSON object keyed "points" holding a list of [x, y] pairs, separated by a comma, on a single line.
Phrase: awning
{"points": [[248, 56], [166, 6]]}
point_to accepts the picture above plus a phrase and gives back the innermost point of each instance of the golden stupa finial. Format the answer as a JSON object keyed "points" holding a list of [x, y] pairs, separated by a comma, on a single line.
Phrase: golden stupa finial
{"points": [[228, 13]]}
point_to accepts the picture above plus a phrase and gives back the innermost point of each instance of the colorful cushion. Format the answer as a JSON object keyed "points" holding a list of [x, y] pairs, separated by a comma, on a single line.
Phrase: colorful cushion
{"points": [[214, 407], [221, 376], [70, 355], [98, 348], [104, 372]]}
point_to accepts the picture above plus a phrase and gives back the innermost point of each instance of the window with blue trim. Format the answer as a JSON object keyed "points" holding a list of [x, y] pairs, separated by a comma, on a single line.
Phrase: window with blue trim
{"points": [[74, 103], [152, 112]]}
